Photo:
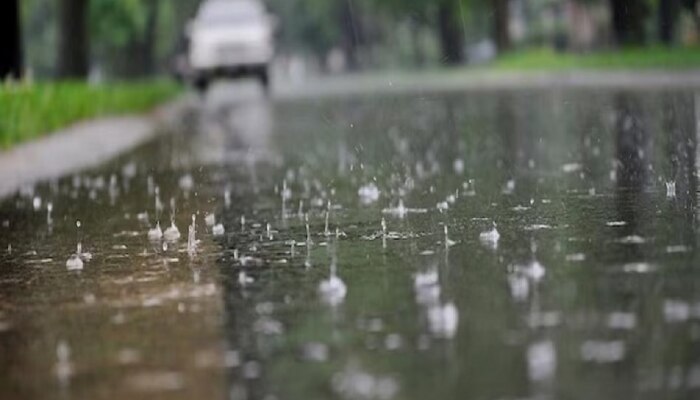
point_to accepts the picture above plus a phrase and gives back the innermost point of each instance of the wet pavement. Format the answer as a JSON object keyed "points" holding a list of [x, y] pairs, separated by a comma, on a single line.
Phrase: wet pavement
{"points": [[495, 244]]}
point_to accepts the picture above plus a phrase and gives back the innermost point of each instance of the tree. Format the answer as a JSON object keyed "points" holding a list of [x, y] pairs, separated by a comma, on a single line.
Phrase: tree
{"points": [[669, 11], [445, 18], [450, 29], [351, 32], [131, 36], [73, 56], [10, 42], [628, 18], [501, 17]]}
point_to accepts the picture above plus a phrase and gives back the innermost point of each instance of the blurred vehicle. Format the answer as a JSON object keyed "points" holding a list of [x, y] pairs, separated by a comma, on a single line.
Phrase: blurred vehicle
{"points": [[229, 39]]}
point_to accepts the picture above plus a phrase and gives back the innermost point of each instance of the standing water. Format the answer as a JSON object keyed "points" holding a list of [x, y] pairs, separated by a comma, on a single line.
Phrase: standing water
{"points": [[418, 294]]}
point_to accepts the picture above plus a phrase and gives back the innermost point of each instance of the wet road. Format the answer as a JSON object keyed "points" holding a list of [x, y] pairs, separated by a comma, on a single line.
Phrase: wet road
{"points": [[464, 245]]}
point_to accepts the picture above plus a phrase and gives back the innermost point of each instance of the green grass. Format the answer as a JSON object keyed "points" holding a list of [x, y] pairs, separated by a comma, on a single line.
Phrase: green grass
{"points": [[635, 58], [28, 110]]}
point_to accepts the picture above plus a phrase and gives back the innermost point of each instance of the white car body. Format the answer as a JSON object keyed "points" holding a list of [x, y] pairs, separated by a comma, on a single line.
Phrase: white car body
{"points": [[230, 38]]}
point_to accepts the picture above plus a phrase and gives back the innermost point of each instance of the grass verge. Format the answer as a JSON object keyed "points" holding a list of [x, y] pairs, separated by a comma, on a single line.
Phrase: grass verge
{"points": [[30, 110], [633, 58]]}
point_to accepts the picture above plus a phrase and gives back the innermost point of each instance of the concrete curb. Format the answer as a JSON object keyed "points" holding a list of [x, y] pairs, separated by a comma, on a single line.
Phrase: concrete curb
{"points": [[80, 146], [467, 81]]}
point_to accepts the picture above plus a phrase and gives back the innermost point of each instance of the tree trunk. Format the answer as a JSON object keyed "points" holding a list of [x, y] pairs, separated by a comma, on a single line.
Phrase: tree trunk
{"points": [[501, 18], [351, 33], [149, 40], [451, 37], [628, 21], [73, 40], [692, 7], [668, 16], [418, 55], [10, 42]]}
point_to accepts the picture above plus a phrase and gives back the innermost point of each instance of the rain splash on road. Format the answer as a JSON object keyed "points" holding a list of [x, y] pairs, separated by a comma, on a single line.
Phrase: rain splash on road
{"points": [[485, 245]]}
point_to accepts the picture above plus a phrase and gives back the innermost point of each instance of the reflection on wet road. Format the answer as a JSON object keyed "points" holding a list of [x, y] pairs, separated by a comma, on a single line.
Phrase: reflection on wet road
{"points": [[483, 245]]}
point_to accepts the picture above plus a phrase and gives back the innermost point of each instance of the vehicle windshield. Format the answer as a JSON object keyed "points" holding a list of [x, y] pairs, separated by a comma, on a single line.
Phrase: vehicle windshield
{"points": [[234, 12]]}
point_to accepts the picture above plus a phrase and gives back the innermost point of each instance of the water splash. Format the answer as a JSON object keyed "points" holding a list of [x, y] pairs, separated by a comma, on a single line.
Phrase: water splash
{"points": [[541, 361], [155, 234], [448, 242], [191, 239], [443, 320], [368, 193], [400, 211], [218, 230], [172, 234], [244, 279], [210, 220], [491, 237], [333, 289], [671, 189], [75, 261]]}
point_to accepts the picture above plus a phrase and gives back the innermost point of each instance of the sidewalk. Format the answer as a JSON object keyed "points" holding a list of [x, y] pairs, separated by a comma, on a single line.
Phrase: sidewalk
{"points": [[80, 146]]}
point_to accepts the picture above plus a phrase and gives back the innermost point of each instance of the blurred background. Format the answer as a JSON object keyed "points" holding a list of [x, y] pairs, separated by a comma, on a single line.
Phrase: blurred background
{"points": [[101, 39]]}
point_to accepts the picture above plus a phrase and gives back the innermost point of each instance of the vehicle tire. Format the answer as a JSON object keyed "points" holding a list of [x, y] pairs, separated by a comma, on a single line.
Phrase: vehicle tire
{"points": [[264, 78], [201, 85]]}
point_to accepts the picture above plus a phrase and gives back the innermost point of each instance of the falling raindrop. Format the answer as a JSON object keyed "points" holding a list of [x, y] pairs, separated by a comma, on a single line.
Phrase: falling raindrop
{"points": [[383, 233], [286, 191], [326, 231], [308, 230], [36, 203], [49, 210], [227, 198]]}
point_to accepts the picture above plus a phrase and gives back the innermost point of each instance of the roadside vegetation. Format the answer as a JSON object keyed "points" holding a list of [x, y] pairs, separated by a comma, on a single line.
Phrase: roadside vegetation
{"points": [[633, 58], [28, 110]]}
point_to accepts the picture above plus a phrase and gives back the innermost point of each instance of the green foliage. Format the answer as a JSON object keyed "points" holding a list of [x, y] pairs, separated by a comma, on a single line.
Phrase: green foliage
{"points": [[116, 23], [632, 58], [116, 30], [30, 110]]}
